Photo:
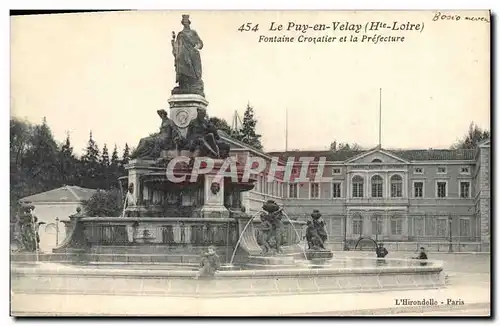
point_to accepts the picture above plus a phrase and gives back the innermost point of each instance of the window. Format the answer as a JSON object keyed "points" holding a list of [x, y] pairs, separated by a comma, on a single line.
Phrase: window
{"points": [[441, 170], [376, 160], [465, 227], [314, 190], [377, 188], [292, 190], [377, 224], [357, 187], [464, 170], [442, 227], [419, 225], [396, 225], [357, 225], [441, 189], [419, 171], [336, 171], [336, 193], [464, 189], [396, 186], [418, 189]]}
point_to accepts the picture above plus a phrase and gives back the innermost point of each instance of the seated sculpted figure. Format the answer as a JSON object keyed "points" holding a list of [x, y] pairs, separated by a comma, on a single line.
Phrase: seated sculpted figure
{"points": [[151, 147], [203, 136], [314, 240]]}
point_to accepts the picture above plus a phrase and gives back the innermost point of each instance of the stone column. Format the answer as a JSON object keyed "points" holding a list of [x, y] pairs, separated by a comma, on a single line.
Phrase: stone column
{"points": [[183, 109]]}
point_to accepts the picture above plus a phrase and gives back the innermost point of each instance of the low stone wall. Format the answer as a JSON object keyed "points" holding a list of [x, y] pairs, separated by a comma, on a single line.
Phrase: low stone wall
{"points": [[71, 280]]}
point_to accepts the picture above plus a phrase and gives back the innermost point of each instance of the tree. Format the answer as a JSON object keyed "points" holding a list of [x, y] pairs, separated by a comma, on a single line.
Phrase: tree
{"points": [[126, 155], [247, 133], [104, 203], [68, 163], [114, 158], [42, 160], [105, 156], [90, 162], [344, 147], [220, 124], [21, 141], [472, 138]]}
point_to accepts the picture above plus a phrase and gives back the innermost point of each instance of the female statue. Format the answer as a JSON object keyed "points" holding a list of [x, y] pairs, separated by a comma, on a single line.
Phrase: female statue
{"points": [[187, 60]]}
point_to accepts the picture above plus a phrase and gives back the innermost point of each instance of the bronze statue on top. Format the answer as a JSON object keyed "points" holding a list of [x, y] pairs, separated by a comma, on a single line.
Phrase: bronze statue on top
{"points": [[167, 139], [187, 58]]}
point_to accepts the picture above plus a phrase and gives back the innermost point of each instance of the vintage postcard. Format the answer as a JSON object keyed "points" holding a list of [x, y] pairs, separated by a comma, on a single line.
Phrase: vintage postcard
{"points": [[250, 163]]}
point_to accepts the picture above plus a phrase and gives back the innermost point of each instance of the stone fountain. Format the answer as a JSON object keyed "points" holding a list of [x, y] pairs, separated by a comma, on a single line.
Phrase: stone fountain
{"points": [[184, 189], [179, 203]]}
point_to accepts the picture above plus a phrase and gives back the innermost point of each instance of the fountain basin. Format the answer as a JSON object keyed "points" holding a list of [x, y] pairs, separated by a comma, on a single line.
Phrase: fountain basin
{"points": [[299, 279]]}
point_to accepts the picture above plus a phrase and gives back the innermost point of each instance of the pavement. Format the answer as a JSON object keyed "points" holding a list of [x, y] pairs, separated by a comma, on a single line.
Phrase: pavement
{"points": [[468, 294]]}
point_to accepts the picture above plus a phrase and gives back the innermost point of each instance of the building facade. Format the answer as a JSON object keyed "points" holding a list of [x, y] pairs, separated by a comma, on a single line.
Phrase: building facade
{"points": [[418, 196]]}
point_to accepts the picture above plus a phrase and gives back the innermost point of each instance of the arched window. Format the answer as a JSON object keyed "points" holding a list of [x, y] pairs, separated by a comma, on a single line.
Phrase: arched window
{"points": [[376, 160], [377, 188], [396, 186], [357, 187]]}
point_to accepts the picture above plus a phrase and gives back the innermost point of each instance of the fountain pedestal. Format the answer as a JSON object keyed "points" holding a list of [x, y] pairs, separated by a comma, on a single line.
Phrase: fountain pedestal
{"points": [[213, 194], [183, 109]]}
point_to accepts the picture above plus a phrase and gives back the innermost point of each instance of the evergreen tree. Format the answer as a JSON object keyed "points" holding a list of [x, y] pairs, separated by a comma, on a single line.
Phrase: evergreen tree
{"points": [[90, 162], [67, 163], [114, 168], [247, 133], [106, 177], [126, 155], [105, 156], [114, 158]]}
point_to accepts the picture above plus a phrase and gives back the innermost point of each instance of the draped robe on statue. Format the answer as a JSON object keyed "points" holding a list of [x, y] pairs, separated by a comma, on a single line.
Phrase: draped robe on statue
{"points": [[188, 62]]}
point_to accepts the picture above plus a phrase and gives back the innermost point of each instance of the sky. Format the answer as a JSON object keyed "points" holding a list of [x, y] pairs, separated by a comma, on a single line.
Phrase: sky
{"points": [[109, 72]]}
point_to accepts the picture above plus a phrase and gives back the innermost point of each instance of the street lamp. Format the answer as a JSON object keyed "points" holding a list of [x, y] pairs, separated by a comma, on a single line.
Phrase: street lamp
{"points": [[345, 232], [57, 231], [450, 218]]}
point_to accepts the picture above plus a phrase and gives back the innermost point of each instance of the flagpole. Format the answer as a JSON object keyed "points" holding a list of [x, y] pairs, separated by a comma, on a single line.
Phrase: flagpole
{"points": [[380, 119], [286, 129]]}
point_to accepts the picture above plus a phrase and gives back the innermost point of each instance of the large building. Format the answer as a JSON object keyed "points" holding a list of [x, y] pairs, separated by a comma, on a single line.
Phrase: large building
{"points": [[433, 197]]}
